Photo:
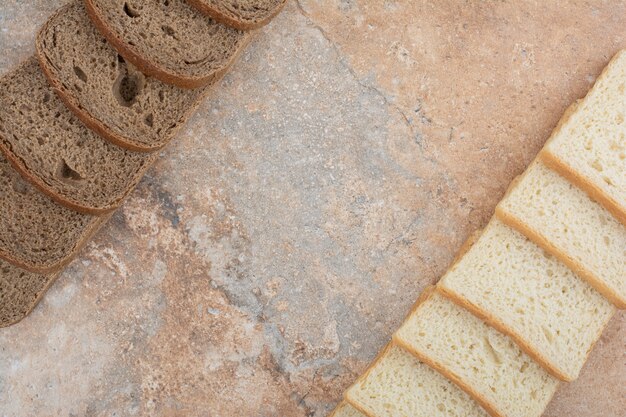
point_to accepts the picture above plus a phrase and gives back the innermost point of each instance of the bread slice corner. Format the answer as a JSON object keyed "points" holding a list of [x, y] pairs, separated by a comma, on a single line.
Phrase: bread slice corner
{"points": [[398, 384], [481, 361], [170, 41], [565, 222], [49, 146], [109, 95], [20, 292], [589, 146], [512, 284]]}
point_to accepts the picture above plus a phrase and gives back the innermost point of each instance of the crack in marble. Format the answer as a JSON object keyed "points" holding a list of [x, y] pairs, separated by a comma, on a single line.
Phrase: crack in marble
{"points": [[352, 72]]}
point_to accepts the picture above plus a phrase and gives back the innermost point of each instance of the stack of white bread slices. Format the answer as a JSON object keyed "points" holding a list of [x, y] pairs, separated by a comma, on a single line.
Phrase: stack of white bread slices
{"points": [[528, 297]]}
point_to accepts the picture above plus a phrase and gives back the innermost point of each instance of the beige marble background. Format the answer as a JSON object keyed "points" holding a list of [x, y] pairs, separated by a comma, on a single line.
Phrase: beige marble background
{"points": [[280, 240]]}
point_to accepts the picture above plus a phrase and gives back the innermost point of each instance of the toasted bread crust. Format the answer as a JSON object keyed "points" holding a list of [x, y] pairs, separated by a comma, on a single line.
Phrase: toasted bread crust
{"points": [[450, 376], [224, 19], [593, 191], [88, 120], [497, 324], [572, 264], [557, 164], [425, 296], [93, 123], [51, 279], [150, 68], [53, 267], [21, 166], [364, 376], [36, 181]]}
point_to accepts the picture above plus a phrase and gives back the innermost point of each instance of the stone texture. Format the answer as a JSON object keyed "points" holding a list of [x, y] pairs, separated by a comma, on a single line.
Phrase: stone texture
{"points": [[280, 240]]}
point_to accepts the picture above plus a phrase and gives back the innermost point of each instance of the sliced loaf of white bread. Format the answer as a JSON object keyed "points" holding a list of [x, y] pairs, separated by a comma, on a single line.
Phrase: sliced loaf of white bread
{"points": [[589, 146], [344, 409], [483, 362], [514, 285], [399, 385], [568, 224]]}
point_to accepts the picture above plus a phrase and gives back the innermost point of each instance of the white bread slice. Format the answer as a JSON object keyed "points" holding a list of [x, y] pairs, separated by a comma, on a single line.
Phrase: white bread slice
{"points": [[589, 147], [398, 385], [508, 281], [483, 362], [344, 409], [565, 222]]}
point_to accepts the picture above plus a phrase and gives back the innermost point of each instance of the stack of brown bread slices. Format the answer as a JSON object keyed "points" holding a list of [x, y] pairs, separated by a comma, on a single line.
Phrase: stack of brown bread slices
{"points": [[528, 297], [80, 123]]}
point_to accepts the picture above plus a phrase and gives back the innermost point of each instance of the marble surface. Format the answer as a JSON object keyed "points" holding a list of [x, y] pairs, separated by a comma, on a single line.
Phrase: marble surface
{"points": [[280, 240]]}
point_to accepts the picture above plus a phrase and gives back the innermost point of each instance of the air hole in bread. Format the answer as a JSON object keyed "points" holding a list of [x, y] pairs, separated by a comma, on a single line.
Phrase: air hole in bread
{"points": [[196, 61], [130, 11], [20, 187], [127, 87], [46, 97], [597, 165], [80, 73], [492, 351], [169, 31], [149, 120], [67, 173]]}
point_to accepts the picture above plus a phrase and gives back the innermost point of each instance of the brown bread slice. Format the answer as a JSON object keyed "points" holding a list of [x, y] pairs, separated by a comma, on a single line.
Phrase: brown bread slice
{"points": [[108, 94], [240, 14], [20, 291], [169, 40], [52, 149], [36, 233]]}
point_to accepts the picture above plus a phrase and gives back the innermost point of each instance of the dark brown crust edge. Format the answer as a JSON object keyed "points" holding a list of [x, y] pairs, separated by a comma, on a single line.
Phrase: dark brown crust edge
{"points": [[87, 118], [100, 128], [54, 267], [18, 164], [150, 68], [234, 23], [71, 103], [72, 204], [51, 279]]}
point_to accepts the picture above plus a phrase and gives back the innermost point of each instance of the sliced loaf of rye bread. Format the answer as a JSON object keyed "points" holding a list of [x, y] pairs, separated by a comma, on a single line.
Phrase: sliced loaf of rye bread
{"points": [[51, 148], [589, 147], [240, 14], [20, 291], [483, 362], [567, 223], [399, 385], [169, 40], [36, 233], [108, 94], [507, 280]]}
